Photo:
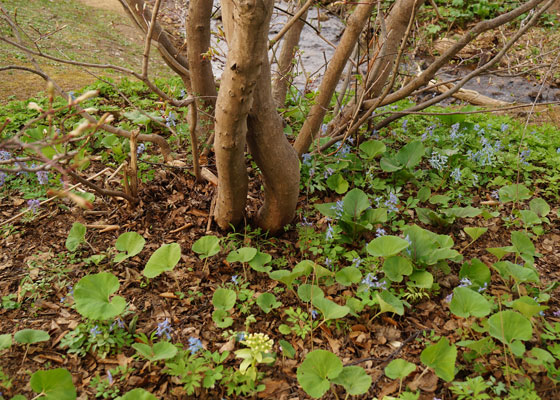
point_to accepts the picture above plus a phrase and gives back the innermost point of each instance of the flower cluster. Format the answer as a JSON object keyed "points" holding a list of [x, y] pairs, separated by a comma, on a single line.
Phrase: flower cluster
{"points": [[194, 344], [164, 328], [391, 202], [259, 342], [33, 205], [487, 154], [371, 281], [42, 177], [438, 161], [338, 208], [170, 120], [456, 174]]}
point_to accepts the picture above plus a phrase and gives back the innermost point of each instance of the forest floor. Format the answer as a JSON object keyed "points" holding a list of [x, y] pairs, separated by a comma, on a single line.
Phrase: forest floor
{"points": [[38, 272]]}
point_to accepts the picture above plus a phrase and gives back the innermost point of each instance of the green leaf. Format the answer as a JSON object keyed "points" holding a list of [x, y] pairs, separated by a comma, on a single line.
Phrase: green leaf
{"points": [[395, 267], [411, 154], [76, 236], [355, 202], [164, 259], [441, 357], [224, 299], [31, 336], [267, 302], [206, 246], [159, 351], [329, 308], [424, 193], [529, 217], [287, 348], [54, 384], [131, 243], [477, 272], [522, 243], [421, 279], [258, 263], [389, 164], [139, 394], [222, 319], [242, 255], [91, 295], [348, 276], [354, 379], [498, 252], [539, 207], [463, 212], [467, 302], [399, 369], [316, 371], [527, 306], [386, 246], [141, 118], [372, 148], [337, 183], [306, 292], [508, 326], [475, 233], [389, 303], [5, 341], [514, 193]]}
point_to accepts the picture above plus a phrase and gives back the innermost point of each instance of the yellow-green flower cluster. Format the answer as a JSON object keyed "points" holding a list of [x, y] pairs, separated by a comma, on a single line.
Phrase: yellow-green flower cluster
{"points": [[259, 342]]}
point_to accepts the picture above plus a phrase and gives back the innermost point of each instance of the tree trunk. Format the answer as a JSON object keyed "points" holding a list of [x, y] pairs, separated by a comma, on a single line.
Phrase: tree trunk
{"points": [[275, 157], [202, 78], [283, 77], [314, 119], [246, 24]]}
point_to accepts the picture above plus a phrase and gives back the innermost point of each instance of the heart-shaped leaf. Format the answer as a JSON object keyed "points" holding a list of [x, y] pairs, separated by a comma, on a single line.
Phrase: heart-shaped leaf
{"points": [[5, 341], [329, 308], [164, 259], [372, 148], [242, 255], [508, 326], [76, 236], [222, 319], [206, 246], [475, 233], [467, 302], [399, 369], [131, 243], [316, 371], [441, 357], [389, 303], [159, 351], [267, 302], [348, 276], [386, 246], [54, 384], [395, 267], [91, 295], [224, 299], [30, 336], [354, 379]]}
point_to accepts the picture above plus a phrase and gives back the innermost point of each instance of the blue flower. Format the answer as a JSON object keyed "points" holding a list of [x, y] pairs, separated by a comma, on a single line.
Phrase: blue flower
{"points": [[496, 195], [164, 328], [42, 177], [305, 222], [33, 205], [110, 377], [2, 178], [438, 161], [306, 158], [356, 262], [140, 148], [240, 336], [194, 344], [328, 263], [392, 201], [235, 279], [523, 156], [314, 314], [330, 232], [328, 172], [338, 208], [183, 93], [465, 282], [170, 120], [448, 298], [405, 124], [504, 127], [5, 155], [380, 232], [95, 331], [456, 174]]}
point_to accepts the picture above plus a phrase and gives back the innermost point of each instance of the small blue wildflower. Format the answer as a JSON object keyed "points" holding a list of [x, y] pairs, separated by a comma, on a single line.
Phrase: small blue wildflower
{"points": [[392, 201], [314, 314], [330, 232], [324, 128], [496, 195], [2, 178], [170, 120], [408, 250], [556, 313], [456, 174], [338, 208], [483, 287], [164, 328], [405, 124], [504, 127], [328, 263], [140, 149], [378, 201], [312, 172], [380, 232], [194, 344], [240, 336], [63, 299], [33, 205], [370, 280], [5, 155], [70, 290], [183, 93], [305, 222], [523, 156], [95, 331], [235, 279], [356, 262], [448, 298], [110, 377], [42, 177], [474, 179], [344, 150], [350, 140], [558, 150], [438, 161], [328, 172], [465, 282], [71, 94], [306, 158]]}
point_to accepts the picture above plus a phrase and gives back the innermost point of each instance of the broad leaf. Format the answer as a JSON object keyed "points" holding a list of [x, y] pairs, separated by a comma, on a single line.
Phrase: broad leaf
{"points": [[329, 309], [164, 259], [372, 148], [348, 276], [508, 326], [399, 369], [395, 267], [389, 303], [242, 255], [224, 299], [267, 302], [411, 154], [139, 394], [206, 246], [30, 336], [441, 357], [76, 236], [386, 246], [514, 193], [316, 371], [54, 384], [475, 233], [5, 341], [337, 183], [354, 379], [467, 302], [159, 351], [91, 295], [131, 243]]}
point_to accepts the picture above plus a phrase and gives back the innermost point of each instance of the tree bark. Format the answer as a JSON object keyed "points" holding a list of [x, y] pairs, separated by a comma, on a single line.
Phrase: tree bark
{"points": [[283, 77], [246, 24], [202, 77], [312, 124], [275, 157]]}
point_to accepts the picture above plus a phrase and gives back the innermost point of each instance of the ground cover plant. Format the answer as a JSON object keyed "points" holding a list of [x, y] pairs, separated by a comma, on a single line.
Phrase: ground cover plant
{"points": [[421, 263]]}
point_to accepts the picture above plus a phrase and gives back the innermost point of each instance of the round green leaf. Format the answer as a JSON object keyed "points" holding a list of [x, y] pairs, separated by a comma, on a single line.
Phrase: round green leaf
{"points": [[54, 384], [337, 183], [91, 295], [354, 379], [386, 246], [30, 336], [258, 263], [395, 267], [242, 255], [399, 369], [224, 299], [206, 246], [5, 341], [507, 326], [390, 303], [164, 259], [441, 357], [348, 276], [306, 292], [315, 371], [421, 279], [139, 394], [539, 207], [267, 302], [467, 302], [131, 243], [221, 318], [372, 148], [76, 236]]}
